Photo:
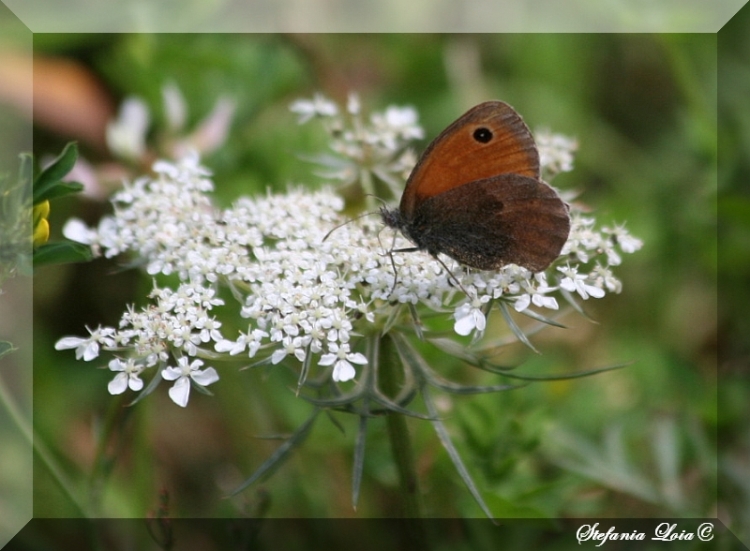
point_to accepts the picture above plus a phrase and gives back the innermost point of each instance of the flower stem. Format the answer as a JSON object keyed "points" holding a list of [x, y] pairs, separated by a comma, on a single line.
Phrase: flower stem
{"points": [[403, 452], [22, 423]]}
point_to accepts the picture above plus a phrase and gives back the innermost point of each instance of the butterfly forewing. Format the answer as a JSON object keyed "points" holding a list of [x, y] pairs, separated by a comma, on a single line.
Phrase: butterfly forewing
{"points": [[488, 140]]}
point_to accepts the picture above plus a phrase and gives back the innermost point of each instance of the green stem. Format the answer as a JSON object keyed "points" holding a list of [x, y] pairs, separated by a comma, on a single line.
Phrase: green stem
{"points": [[389, 377], [41, 451]]}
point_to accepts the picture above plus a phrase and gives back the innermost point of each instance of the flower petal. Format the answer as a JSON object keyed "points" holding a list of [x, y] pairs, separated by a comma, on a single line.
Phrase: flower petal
{"points": [[343, 371], [464, 325], [205, 377], [135, 383], [118, 384], [180, 391], [69, 342], [171, 373]]}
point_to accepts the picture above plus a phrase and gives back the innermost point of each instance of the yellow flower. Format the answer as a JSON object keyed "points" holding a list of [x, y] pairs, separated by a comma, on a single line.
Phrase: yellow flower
{"points": [[41, 225]]}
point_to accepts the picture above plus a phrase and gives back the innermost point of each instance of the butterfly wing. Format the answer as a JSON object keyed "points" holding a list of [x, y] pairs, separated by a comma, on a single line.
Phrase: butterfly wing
{"points": [[505, 219], [489, 139]]}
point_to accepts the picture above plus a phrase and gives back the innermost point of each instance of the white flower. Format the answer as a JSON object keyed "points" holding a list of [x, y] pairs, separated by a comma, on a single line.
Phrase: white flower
{"points": [[469, 316], [290, 346], [88, 349], [126, 136], [627, 242], [175, 108], [128, 376], [352, 104], [251, 340], [341, 360], [575, 282], [605, 278], [318, 106], [76, 230], [555, 151], [536, 294], [85, 348], [396, 124], [183, 374]]}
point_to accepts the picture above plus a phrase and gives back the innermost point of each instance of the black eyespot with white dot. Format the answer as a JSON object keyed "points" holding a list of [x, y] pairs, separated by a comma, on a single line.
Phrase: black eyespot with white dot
{"points": [[482, 135]]}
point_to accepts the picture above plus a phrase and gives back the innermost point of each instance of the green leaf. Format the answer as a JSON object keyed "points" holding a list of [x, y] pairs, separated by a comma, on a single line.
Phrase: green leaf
{"points": [[393, 407], [62, 189], [544, 319], [445, 440], [281, 454], [455, 388], [565, 377], [6, 348], [51, 176], [568, 296], [514, 326], [61, 252]]}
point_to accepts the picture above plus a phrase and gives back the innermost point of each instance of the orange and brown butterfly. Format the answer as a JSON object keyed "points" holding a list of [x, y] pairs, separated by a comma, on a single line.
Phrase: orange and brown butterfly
{"points": [[476, 195]]}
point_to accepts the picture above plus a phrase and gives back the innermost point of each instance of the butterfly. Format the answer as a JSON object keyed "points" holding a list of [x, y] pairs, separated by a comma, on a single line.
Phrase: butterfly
{"points": [[476, 195]]}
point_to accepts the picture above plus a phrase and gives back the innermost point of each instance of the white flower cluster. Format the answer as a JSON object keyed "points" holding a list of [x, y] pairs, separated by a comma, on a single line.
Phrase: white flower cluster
{"points": [[556, 152], [309, 295], [364, 148]]}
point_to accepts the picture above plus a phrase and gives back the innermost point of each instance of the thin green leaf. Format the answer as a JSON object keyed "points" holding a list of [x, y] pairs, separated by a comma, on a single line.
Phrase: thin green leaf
{"points": [[149, 388], [574, 375], [488, 346], [568, 296], [455, 349], [359, 459], [417, 321], [200, 388], [335, 401], [61, 252], [473, 357], [336, 423], [537, 316], [666, 449], [392, 406], [456, 388], [513, 326], [392, 319], [304, 371], [259, 363], [281, 454], [409, 356], [445, 440], [51, 176]]}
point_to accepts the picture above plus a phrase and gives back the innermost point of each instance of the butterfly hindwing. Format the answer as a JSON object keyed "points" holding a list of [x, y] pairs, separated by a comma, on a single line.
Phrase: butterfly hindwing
{"points": [[505, 219]]}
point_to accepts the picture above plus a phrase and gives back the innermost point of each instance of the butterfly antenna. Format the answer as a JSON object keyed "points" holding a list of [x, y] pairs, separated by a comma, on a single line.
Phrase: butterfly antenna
{"points": [[348, 222]]}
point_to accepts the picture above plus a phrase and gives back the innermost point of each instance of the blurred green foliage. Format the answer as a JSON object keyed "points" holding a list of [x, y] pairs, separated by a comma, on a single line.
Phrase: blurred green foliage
{"points": [[634, 442]]}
